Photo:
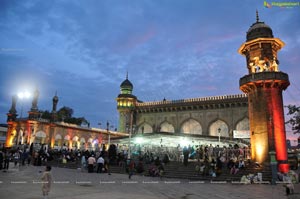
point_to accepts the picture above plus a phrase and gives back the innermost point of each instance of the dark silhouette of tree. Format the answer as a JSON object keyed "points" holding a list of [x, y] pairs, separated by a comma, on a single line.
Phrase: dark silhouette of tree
{"points": [[294, 120], [65, 114], [45, 115]]}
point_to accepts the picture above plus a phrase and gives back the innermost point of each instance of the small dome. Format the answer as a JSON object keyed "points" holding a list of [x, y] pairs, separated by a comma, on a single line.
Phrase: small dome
{"points": [[126, 84], [55, 98], [259, 30]]}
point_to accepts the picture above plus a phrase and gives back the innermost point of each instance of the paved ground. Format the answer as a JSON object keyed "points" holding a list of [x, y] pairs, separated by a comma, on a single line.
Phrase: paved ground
{"points": [[24, 183]]}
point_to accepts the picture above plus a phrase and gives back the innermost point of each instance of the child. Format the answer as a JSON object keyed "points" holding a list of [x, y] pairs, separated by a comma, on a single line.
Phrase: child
{"points": [[46, 179]]}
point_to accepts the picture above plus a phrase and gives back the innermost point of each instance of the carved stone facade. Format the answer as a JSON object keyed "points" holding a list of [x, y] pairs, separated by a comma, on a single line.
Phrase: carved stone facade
{"points": [[56, 135], [207, 116], [200, 116], [28, 130]]}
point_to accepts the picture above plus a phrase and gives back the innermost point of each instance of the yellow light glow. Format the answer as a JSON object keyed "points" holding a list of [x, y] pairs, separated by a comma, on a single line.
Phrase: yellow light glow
{"points": [[260, 152]]}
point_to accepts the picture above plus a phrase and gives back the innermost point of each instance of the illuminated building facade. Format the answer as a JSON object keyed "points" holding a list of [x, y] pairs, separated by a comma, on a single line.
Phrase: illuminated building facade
{"points": [[207, 117], [264, 85], [33, 129]]}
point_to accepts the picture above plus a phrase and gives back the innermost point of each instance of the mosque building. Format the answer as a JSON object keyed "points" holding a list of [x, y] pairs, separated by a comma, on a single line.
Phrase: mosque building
{"points": [[217, 120]]}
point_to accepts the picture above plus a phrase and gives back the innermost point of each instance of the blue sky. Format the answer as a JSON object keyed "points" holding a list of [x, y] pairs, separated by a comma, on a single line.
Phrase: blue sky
{"points": [[172, 49]]}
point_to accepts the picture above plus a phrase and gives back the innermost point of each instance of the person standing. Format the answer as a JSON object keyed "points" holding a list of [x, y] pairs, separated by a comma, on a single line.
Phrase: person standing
{"points": [[131, 168], [1, 159], [100, 163], [91, 162], [46, 182], [16, 156], [6, 160]]}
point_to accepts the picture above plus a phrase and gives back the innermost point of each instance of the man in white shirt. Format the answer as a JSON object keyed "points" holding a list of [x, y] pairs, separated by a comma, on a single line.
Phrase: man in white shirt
{"points": [[91, 162], [100, 163]]}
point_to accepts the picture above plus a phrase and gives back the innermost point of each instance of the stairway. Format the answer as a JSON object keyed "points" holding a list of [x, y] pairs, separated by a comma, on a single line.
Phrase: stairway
{"points": [[179, 171]]}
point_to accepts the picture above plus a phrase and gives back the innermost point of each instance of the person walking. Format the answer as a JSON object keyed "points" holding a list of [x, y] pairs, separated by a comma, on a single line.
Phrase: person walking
{"points": [[131, 168], [46, 179]]}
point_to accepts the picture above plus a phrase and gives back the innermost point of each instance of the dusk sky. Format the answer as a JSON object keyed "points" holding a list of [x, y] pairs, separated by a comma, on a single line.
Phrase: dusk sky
{"points": [[172, 49]]}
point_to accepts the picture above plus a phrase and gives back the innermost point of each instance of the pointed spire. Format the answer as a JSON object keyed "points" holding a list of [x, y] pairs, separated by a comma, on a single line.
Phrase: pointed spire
{"points": [[127, 75], [55, 93], [257, 17]]}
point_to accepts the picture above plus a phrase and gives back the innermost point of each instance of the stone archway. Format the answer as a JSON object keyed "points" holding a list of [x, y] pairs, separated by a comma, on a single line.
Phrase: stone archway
{"points": [[145, 128], [75, 142], [191, 126], [167, 127], [243, 124], [217, 127], [40, 137], [58, 140]]}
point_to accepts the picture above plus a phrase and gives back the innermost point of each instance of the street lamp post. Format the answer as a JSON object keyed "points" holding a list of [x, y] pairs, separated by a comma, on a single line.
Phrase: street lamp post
{"points": [[107, 128], [219, 133]]}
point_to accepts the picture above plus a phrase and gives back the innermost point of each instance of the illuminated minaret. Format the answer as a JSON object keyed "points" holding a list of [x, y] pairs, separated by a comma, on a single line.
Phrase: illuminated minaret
{"points": [[264, 85], [126, 105], [34, 111]]}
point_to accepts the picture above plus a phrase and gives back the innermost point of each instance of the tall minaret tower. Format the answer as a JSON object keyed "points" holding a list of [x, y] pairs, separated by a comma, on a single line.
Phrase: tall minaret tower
{"points": [[34, 111], [126, 106], [54, 106], [264, 85]]}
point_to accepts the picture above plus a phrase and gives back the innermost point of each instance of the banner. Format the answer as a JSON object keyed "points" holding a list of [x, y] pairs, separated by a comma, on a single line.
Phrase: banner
{"points": [[241, 134]]}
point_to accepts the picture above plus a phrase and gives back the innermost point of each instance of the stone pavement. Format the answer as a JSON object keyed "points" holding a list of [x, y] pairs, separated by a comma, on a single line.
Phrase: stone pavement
{"points": [[24, 183]]}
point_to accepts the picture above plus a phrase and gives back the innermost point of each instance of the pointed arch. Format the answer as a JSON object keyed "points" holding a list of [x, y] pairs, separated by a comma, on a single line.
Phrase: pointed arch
{"points": [[40, 134], [75, 138], [191, 126], [217, 126], [40, 137], [58, 137], [243, 124], [145, 128], [167, 127], [67, 137], [82, 140]]}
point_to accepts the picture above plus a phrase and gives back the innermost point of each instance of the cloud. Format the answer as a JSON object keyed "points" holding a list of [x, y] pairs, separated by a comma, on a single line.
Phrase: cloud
{"points": [[172, 49]]}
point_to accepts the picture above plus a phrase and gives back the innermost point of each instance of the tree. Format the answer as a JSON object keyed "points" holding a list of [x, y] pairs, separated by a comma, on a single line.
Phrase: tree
{"points": [[45, 115], [65, 115], [294, 120]]}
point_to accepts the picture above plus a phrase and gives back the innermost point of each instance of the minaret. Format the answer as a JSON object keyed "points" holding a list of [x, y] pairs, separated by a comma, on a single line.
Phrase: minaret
{"points": [[54, 106], [126, 105], [11, 124], [12, 113], [264, 85], [34, 111]]}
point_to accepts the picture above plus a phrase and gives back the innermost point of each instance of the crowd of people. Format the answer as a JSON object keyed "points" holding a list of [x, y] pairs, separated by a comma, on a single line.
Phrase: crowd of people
{"points": [[210, 159]]}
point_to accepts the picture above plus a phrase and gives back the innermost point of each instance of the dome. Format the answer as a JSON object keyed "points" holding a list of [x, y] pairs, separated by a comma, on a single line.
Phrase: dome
{"points": [[55, 98], [126, 84], [259, 30]]}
